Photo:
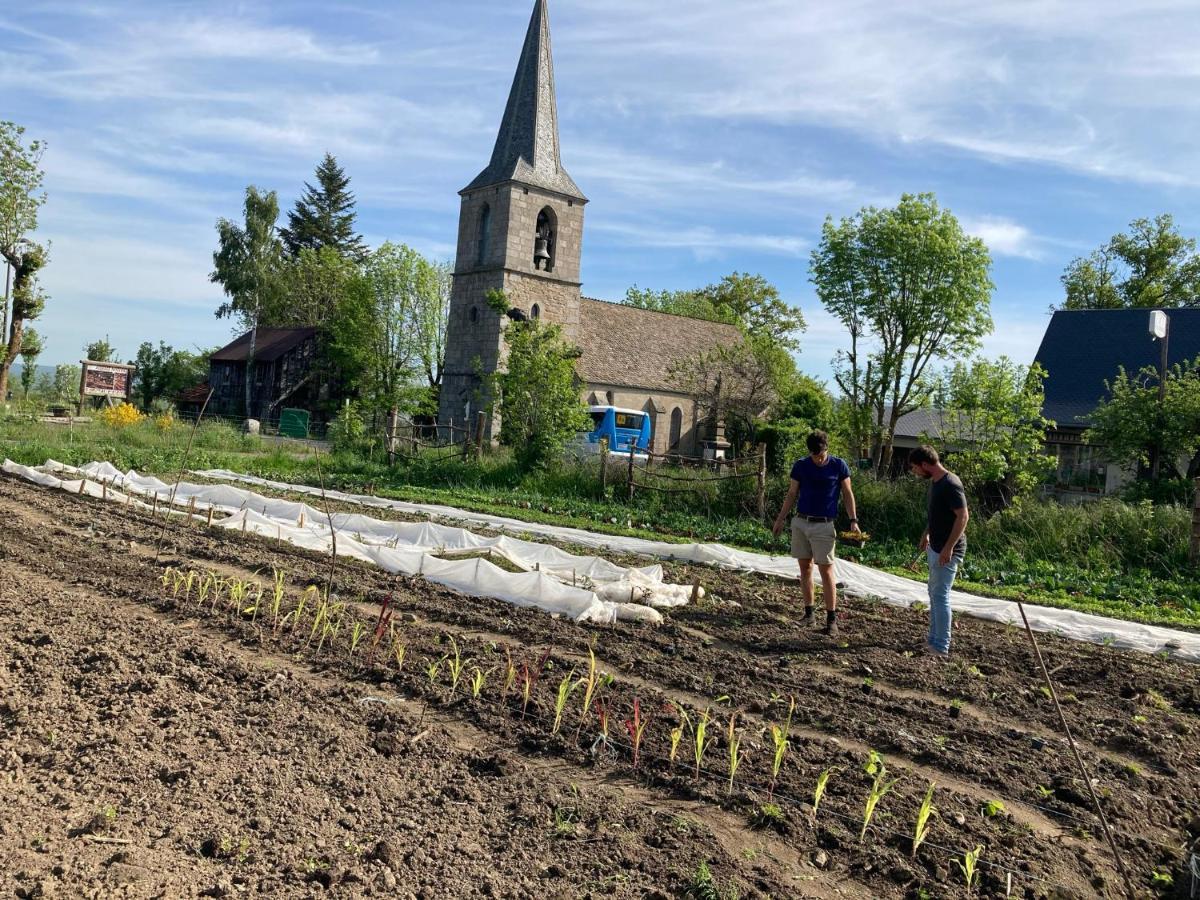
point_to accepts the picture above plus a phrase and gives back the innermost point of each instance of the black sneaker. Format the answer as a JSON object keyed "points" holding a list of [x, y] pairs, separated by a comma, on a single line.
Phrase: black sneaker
{"points": [[808, 617]]}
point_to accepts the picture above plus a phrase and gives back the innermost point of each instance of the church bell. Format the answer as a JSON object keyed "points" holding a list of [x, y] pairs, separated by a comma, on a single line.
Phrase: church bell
{"points": [[541, 253]]}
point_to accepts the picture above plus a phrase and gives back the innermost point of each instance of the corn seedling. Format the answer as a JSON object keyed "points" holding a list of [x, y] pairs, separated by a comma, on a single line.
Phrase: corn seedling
{"points": [[924, 814], [637, 729], [510, 673], [566, 688], [529, 679], [168, 577], [879, 789], [676, 734], [819, 790], [399, 651], [319, 617], [588, 682], [478, 680], [779, 737], [203, 588], [254, 607], [433, 668], [276, 598], [736, 754], [455, 666], [356, 636], [969, 866], [700, 739], [604, 717]]}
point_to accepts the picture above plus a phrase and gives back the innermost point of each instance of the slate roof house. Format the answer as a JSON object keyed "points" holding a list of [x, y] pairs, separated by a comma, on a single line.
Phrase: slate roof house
{"points": [[284, 374], [1080, 351], [521, 231]]}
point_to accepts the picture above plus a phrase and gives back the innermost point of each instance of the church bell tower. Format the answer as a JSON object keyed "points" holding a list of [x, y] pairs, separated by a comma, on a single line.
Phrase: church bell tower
{"points": [[520, 230]]}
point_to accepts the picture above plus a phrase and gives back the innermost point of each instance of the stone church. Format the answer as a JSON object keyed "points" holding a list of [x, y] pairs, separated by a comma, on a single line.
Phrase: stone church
{"points": [[521, 230]]}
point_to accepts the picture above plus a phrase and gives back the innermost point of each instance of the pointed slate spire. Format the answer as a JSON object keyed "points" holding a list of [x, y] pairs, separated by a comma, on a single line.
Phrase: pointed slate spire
{"points": [[527, 146]]}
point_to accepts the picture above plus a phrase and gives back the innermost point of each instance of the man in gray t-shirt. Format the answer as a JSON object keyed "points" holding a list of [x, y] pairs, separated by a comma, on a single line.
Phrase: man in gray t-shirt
{"points": [[944, 540]]}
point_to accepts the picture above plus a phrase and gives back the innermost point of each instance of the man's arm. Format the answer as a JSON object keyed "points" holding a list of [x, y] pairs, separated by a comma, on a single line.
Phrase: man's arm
{"points": [[961, 516], [850, 503], [789, 503]]}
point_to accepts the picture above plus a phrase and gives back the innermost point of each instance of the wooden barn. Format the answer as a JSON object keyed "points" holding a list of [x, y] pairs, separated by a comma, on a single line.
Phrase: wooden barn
{"points": [[285, 375]]}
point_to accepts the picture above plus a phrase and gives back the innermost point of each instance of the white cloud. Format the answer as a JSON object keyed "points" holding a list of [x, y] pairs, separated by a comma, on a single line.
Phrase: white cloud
{"points": [[701, 240], [1003, 237]]}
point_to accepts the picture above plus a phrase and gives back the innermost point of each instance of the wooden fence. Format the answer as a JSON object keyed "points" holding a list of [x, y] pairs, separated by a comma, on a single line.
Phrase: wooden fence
{"points": [[651, 478]]}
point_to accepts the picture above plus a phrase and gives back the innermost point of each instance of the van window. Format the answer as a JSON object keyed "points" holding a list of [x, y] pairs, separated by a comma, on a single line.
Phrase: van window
{"points": [[629, 420], [597, 419]]}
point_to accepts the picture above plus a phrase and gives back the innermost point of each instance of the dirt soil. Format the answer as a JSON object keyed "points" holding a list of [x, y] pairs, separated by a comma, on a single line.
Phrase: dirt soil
{"points": [[156, 745]]}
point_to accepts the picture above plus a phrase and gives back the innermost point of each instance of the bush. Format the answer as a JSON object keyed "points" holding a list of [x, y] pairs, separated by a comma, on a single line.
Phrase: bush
{"points": [[120, 416], [347, 431]]}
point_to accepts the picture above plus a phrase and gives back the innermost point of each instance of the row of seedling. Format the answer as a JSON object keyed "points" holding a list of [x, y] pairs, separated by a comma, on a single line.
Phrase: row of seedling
{"points": [[321, 622]]}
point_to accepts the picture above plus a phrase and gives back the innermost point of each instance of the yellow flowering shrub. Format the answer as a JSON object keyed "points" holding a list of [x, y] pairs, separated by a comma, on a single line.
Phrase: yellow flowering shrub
{"points": [[164, 421], [120, 416]]}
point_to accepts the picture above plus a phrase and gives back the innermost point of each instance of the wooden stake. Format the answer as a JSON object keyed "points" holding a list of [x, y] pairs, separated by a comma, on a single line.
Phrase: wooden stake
{"points": [[103, 490], [695, 590], [154, 509], [210, 512], [631, 472], [1075, 751], [82, 485]]}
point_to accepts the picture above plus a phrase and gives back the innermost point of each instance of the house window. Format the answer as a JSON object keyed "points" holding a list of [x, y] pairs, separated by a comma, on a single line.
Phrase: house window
{"points": [[535, 312], [676, 428], [544, 239]]}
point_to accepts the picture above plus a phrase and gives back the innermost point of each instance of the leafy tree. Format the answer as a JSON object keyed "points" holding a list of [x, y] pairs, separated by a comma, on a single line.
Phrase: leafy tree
{"points": [[539, 392], [389, 337], [750, 302], [20, 199], [912, 288], [247, 264], [991, 421], [100, 351], [806, 404], [324, 215], [65, 388], [163, 371], [309, 289], [31, 349], [1131, 423], [1152, 265]]}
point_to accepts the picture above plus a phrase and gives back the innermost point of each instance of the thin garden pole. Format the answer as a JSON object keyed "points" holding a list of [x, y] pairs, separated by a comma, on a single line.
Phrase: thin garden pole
{"points": [[332, 530], [1075, 752], [631, 446], [1194, 547], [182, 468]]}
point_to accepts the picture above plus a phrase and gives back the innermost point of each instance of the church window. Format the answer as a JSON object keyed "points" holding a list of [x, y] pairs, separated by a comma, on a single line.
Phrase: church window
{"points": [[535, 312], [544, 240], [485, 234], [676, 427], [473, 315]]}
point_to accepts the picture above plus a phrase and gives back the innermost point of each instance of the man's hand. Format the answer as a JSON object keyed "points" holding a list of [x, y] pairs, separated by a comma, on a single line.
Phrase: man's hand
{"points": [[854, 527], [946, 555], [923, 544], [778, 527]]}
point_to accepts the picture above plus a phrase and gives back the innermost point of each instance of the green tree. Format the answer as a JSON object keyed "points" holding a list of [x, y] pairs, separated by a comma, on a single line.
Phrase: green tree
{"points": [[991, 420], [247, 265], [539, 391], [163, 371], [100, 351], [1151, 265], [324, 215], [65, 388], [912, 288], [309, 289], [389, 339], [31, 349], [805, 405], [21, 197], [750, 302], [1130, 422]]}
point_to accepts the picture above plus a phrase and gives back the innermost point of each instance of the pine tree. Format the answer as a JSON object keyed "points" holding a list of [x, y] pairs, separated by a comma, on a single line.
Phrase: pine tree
{"points": [[324, 215]]}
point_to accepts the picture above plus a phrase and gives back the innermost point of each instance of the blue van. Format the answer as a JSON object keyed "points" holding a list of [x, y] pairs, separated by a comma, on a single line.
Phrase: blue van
{"points": [[624, 428]]}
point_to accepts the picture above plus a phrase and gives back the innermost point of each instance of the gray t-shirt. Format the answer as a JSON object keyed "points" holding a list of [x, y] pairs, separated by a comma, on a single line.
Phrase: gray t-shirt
{"points": [[945, 496]]}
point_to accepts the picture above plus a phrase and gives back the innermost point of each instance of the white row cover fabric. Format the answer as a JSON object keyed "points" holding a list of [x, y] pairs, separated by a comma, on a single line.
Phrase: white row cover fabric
{"points": [[859, 580], [586, 588]]}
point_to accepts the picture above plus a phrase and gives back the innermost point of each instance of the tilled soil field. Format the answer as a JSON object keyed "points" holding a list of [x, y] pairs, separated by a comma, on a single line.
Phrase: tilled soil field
{"points": [[154, 743]]}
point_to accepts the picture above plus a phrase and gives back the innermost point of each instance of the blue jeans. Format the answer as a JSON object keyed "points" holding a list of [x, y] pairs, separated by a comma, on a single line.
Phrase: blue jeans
{"points": [[941, 579]]}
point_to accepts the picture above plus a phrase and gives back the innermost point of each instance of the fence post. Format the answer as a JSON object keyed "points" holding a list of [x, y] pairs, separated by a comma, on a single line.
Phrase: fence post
{"points": [[1194, 549], [631, 446], [603, 467], [762, 482], [480, 428]]}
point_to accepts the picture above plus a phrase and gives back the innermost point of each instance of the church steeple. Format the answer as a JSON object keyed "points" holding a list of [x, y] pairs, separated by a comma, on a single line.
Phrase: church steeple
{"points": [[526, 148]]}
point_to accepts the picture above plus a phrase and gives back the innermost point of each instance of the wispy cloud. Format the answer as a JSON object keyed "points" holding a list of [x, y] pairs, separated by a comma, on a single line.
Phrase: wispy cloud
{"points": [[1003, 237]]}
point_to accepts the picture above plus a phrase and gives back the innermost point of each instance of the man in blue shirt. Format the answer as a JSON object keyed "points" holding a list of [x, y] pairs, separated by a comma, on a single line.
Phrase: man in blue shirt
{"points": [[813, 495]]}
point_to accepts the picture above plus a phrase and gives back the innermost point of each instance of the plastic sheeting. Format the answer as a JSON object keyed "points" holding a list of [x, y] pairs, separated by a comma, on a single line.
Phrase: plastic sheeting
{"points": [[586, 588], [858, 579]]}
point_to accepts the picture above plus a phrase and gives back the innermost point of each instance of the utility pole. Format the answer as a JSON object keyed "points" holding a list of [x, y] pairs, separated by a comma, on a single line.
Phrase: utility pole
{"points": [[1160, 328]]}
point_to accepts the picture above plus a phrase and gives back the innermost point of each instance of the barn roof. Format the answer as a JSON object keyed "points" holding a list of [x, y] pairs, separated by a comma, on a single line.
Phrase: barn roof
{"points": [[625, 346], [1083, 348], [270, 344]]}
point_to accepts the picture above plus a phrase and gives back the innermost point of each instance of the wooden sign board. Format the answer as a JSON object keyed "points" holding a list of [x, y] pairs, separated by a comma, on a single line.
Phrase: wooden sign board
{"points": [[104, 379]]}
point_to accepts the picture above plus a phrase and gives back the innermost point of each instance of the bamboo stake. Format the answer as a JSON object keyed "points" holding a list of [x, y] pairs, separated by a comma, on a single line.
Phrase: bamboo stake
{"points": [[187, 454], [1075, 752], [332, 530]]}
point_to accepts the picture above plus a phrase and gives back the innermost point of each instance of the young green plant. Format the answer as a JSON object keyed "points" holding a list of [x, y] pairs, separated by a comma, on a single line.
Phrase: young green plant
{"points": [[676, 734], [779, 737], [357, 631], [566, 688], [969, 866], [636, 727], [588, 683], [478, 680], [277, 586], [736, 754], [819, 790], [879, 789], [700, 739], [455, 665], [924, 814]]}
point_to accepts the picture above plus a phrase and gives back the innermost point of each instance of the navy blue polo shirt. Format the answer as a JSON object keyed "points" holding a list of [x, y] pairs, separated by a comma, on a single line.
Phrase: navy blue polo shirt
{"points": [[819, 486]]}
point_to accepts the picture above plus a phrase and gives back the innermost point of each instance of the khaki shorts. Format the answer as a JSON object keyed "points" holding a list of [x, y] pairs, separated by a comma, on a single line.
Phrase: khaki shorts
{"points": [[813, 540]]}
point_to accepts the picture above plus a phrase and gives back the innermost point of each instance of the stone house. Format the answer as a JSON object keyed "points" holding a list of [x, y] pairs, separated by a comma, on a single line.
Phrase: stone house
{"points": [[521, 231]]}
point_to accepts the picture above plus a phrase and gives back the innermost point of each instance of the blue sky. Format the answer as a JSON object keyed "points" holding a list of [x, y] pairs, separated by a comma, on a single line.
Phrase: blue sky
{"points": [[709, 136]]}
